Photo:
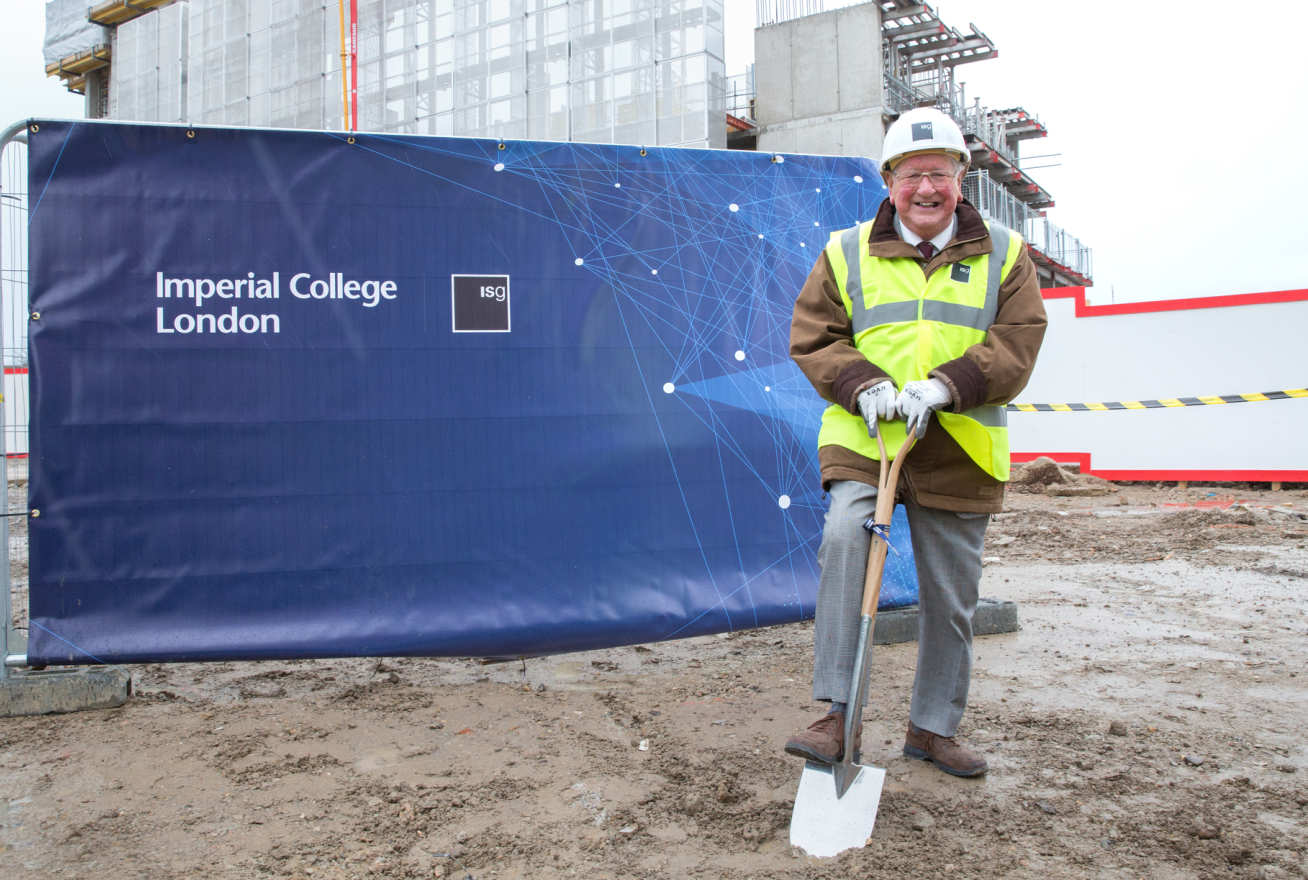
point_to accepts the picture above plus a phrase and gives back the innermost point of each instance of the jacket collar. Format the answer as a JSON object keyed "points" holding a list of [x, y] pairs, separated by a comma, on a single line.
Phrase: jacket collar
{"points": [[970, 238]]}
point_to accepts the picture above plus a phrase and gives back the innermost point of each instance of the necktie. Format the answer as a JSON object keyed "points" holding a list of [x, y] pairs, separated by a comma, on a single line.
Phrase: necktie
{"points": [[927, 249]]}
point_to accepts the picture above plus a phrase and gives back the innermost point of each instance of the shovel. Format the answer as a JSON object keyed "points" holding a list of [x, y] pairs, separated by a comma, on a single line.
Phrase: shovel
{"points": [[836, 805]]}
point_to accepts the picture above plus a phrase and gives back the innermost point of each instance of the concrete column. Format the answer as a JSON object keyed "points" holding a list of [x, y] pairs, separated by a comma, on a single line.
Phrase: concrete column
{"points": [[818, 82], [97, 93]]}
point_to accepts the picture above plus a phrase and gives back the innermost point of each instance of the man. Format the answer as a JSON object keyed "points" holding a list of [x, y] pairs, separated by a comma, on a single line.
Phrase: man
{"points": [[925, 309]]}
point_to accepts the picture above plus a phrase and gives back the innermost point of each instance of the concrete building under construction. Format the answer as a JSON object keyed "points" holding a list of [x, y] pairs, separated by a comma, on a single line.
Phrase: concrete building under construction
{"points": [[630, 71], [647, 72]]}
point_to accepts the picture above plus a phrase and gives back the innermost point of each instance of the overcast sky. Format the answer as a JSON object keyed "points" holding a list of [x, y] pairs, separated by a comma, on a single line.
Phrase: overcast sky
{"points": [[25, 90], [1182, 131]]}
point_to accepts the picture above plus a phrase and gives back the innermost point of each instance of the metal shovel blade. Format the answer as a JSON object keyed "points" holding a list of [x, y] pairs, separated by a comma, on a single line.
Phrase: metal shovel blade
{"points": [[836, 807], [825, 823]]}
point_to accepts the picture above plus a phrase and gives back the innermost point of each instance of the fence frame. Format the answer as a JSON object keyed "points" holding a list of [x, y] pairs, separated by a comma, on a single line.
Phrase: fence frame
{"points": [[15, 646]]}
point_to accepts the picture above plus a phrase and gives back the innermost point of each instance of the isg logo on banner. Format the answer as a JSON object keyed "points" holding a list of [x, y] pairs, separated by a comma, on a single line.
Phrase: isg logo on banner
{"points": [[480, 303]]}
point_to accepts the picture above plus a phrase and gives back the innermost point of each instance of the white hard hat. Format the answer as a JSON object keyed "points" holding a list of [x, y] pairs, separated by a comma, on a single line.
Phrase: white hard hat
{"points": [[923, 130]]}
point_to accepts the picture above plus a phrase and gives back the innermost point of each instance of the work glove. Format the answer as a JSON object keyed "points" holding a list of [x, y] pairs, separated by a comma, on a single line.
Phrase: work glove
{"points": [[877, 402], [918, 400]]}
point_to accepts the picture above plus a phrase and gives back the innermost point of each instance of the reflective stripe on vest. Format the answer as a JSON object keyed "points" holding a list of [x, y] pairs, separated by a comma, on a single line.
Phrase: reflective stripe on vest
{"points": [[981, 431], [864, 318]]}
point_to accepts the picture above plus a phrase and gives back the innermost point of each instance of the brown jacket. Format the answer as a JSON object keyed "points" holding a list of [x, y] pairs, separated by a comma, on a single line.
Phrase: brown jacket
{"points": [[938, 473]]}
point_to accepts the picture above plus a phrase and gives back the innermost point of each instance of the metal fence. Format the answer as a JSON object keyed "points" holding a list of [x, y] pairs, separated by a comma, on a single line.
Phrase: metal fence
{"points": [[13, 294], [14, 412]]}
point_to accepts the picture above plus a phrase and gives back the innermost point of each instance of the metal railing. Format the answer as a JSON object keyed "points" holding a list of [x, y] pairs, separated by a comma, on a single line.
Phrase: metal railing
{"points": [[901, 96], [776, 11], [998, 204], [740, 94], [1064, 249], [980, 121], [994, 202]]}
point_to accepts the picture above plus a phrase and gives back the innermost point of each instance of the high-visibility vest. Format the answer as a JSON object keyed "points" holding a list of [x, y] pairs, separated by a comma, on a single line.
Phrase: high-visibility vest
{"points": [[908, 324]]}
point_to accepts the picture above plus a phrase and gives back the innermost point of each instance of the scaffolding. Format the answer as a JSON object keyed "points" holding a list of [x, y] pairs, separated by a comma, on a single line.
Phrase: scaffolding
{"points": [[265, 64], [1062, 254], [919, 53], [640, 72], [993, 137], [145, 82], [75, 48], [116, 12], [73, 69]]}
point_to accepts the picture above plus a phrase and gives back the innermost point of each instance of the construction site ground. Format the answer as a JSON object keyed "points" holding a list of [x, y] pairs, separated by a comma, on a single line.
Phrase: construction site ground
{"points": [[1146, 721]]}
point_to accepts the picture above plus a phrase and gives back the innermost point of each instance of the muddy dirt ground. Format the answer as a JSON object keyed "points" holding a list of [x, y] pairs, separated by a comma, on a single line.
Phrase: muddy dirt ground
{"points": [[1146, 721]]}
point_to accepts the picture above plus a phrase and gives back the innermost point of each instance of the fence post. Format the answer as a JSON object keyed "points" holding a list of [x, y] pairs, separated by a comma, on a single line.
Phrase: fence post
{"points": [[16, 133], [26, 691]]}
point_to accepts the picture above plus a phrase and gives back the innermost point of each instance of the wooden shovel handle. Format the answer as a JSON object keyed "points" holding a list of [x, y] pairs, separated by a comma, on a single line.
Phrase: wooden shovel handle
{"points": [[888, 482]]}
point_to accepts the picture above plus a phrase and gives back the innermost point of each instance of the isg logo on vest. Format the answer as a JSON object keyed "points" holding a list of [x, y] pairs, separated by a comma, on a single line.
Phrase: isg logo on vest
{"points": [[480, 303]]}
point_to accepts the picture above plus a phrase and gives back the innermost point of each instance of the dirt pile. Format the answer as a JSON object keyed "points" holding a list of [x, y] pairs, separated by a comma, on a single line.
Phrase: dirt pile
{"points": [[1045, 475]]}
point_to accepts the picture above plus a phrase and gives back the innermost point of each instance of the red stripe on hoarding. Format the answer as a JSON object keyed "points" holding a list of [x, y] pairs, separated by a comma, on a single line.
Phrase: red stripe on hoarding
{"points": [[15, 371], [1084, 310]]}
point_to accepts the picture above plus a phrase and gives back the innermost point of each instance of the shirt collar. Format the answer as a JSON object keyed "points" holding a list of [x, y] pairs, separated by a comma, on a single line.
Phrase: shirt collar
{"points": [[946, 235]]}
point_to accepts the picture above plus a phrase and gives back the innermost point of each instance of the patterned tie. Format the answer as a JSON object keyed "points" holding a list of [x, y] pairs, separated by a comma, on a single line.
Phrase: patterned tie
{"points": [[927, 249]]}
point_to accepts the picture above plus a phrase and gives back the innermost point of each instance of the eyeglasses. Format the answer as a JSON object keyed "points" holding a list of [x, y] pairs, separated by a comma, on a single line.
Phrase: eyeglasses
{"points": [[915, 178]]}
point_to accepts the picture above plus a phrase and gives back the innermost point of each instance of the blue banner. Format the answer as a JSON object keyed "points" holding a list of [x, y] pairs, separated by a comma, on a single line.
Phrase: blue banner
{"points": [[302, 394]]}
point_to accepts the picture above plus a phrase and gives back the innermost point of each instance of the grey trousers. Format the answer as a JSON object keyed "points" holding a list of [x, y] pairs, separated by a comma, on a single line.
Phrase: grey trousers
{"points": [[947, 550]]}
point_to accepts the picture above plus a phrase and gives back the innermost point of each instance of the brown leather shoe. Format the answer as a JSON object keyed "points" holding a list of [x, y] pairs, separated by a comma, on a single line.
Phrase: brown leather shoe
{"points": [[943, 751], [824, 740]]}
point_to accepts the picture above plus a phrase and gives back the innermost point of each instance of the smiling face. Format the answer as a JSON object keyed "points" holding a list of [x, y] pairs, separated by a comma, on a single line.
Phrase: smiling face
{"points": [[924, 204]]}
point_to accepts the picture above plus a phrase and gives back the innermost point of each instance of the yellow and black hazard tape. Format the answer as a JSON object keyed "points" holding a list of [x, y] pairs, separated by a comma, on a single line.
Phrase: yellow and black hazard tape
{"points": [[1110, 405]]}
